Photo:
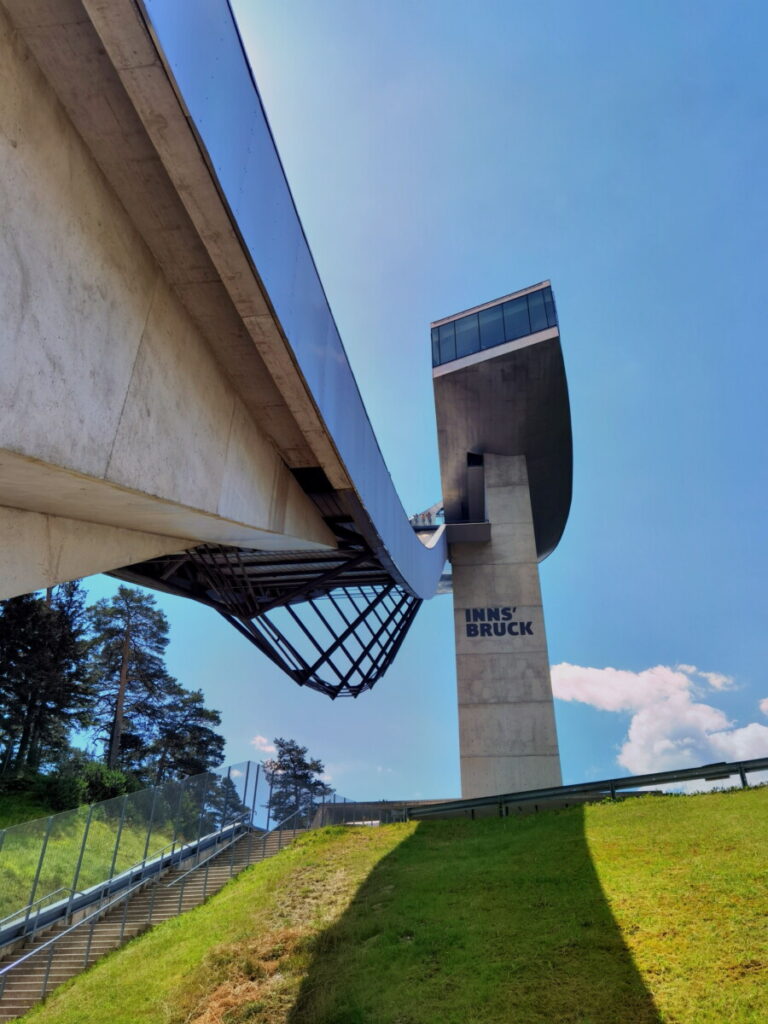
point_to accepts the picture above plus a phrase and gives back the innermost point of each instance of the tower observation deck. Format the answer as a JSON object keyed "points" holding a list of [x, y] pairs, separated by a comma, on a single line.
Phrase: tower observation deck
{"points": [[504, 435], [177, 405]]}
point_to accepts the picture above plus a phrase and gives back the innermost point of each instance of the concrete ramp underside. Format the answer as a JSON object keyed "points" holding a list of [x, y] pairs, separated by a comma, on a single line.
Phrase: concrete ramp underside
{"points": [[158, 416], [332, 621]]}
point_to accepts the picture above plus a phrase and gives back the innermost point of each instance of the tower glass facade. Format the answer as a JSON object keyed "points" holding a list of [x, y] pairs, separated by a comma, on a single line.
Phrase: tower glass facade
{"points": [[506, 320]]}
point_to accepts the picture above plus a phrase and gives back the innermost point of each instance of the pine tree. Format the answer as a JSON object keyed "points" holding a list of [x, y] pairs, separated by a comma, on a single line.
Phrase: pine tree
{"points": [[295, 780], [186, 742], [44, 680], [130, 636], [153, 726]]}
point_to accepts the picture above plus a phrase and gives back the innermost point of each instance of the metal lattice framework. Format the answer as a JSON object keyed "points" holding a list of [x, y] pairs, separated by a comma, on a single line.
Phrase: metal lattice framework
{"points": [[331, 620]]}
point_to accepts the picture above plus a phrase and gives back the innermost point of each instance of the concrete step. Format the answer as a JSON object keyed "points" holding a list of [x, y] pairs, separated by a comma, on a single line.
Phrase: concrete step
{"points": [[31, 992], [24, 991]]}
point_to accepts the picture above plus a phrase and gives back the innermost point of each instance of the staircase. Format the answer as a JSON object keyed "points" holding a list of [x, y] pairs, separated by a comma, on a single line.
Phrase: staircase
{"points": [[179, 889]]}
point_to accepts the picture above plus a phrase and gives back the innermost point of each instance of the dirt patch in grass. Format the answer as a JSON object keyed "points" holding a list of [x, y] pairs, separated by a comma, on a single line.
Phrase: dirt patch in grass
{"points": [[254, 987], [256, 977], [653, 911]]}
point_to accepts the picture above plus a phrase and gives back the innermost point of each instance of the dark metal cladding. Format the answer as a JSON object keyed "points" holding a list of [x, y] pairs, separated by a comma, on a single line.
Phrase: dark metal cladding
{"points": [[510, 398], [225, 108], [331, 620]]}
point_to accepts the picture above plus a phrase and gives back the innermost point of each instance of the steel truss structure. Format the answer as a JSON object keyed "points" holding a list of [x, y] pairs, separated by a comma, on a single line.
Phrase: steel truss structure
{"points": [[331, 620]]}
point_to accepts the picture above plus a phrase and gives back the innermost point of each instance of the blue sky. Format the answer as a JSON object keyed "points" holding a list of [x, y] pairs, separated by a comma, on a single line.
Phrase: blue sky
{"points": [[442, 154]]}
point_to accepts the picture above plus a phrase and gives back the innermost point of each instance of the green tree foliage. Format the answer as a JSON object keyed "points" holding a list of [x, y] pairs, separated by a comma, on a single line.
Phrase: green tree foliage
{"points": [[151, 725], [186, 742], [45, 690], [64, 668], [130, 635], [295, 780], [80, 780]]}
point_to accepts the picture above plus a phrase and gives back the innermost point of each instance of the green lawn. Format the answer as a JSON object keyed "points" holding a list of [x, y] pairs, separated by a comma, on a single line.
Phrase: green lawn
{"points": [[23, 842], [651, 910], [18, 807]]}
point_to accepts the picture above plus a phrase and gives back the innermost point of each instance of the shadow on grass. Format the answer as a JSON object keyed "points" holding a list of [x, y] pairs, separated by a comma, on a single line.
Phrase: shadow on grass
{"points": [[498, 920]]}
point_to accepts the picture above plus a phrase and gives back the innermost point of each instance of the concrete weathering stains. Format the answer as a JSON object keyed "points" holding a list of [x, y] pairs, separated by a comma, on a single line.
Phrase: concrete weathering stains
{"points": [[495, 622], [176, 406], [505, 459]]}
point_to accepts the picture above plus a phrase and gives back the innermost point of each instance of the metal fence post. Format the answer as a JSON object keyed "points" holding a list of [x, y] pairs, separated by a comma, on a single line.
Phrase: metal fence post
{"points": [[232, 846], [245, 784], [253, 811], [255, 791], [176, 820], [125, 916], [743, 775], [119, 835], [149, 827], [47, 973], [226, 800], [89, 943], [37, 872], [269, 801], [80, 860], [202, 816], [155, 886]]}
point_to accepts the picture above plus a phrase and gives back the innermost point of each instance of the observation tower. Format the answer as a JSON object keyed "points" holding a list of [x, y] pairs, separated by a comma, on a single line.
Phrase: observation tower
{"points": [[504, 434]]}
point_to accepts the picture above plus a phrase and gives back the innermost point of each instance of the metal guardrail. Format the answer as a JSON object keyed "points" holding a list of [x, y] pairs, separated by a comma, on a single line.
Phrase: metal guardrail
{"points": [[50, 945], [25, 911], [602, 788], [359, 812], [91, 919], [105, 903], [107, 846], [237, 833]]}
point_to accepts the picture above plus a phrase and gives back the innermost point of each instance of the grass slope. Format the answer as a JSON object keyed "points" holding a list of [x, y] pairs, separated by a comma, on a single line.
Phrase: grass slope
{"points": [[18, 807], [22, 845], [651, 910]]}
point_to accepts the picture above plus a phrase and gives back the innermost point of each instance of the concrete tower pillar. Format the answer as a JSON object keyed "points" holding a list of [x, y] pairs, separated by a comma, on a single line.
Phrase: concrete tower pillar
{"points": [[507, 735]]}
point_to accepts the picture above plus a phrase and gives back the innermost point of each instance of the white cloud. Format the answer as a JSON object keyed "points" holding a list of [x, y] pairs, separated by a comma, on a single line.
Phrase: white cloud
{"points": [[613, 689], [262, 744], [742, 744], [669, 728], [718, 681], [235, 773], [764, 705]]}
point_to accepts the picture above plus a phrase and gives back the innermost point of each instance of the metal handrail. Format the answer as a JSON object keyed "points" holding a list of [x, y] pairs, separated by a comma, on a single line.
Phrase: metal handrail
{"points": [[219, 849], [132, 810], [279, 826], [605, 787], [103, 908], [4, 971], [237, 827], [184, 849], [28, 906], [26, 911]]}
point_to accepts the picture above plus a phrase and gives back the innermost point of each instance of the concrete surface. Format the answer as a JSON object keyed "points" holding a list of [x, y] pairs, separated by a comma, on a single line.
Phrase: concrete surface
{"points": [[507, 735], [114, 410]]}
